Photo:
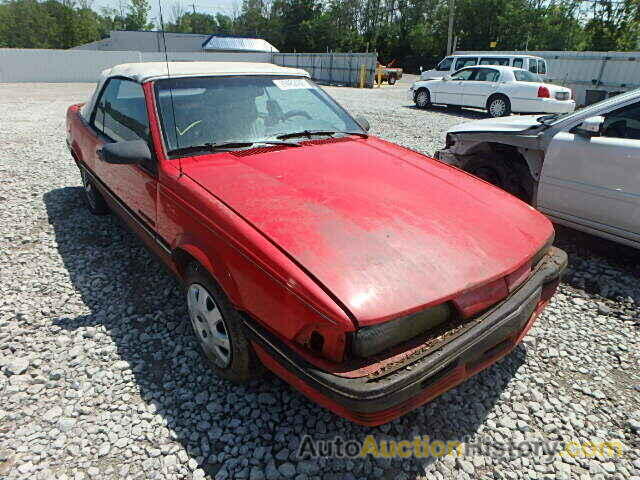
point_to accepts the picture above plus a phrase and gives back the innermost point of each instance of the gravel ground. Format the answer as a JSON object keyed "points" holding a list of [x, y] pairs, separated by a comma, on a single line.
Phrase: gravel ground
{"points": [[99, 378]]}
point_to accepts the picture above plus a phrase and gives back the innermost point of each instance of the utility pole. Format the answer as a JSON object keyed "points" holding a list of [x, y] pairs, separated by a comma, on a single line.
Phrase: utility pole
{"points": [[450, 33], [194, 8]]}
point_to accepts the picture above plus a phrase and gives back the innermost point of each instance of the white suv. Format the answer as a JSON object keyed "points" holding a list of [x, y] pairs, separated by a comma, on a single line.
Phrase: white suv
{"points": [[453, 63]]}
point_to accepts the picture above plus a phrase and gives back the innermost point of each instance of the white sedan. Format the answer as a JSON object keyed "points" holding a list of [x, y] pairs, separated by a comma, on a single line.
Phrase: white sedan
{"points": [[498, 89]]}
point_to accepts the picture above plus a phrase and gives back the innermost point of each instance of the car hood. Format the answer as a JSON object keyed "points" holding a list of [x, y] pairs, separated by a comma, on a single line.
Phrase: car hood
{"points": [[386, 230], [515, 123]]}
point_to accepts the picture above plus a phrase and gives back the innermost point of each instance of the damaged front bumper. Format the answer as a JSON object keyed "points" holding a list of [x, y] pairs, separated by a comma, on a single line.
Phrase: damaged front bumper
{"points": [[378, 400]]}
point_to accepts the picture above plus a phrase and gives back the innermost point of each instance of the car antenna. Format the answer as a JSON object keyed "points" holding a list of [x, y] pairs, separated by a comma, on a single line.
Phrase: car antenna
{"points": [[173, 108]]}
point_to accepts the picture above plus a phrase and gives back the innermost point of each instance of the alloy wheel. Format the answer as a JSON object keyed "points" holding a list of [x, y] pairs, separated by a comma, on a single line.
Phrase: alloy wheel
{"points": [[422, 99], [498, 107]]}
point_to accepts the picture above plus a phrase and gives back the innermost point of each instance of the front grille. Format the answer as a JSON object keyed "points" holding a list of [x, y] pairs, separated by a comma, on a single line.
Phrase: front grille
{"points": [[562, 95]]}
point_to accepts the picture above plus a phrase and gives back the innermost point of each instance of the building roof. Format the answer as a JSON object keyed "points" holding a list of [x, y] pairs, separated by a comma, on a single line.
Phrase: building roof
{"points": [[145, 71], [237, 44], [154, 41]]}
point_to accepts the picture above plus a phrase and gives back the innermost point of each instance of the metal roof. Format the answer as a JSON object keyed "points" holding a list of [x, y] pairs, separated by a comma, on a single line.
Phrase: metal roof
{"points": [[221, 42]]}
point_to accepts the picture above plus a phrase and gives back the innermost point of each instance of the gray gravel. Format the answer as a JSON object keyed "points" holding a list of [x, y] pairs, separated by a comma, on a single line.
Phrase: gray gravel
{"points": [[100, 379]]}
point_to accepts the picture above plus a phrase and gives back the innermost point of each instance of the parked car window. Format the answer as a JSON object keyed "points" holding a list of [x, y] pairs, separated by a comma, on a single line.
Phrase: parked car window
{"points": [[524, 76], [487, 75], [121, 112], [244, 109], [623, 123], [468, 74], [542, 67], [518, 62], [465, 62], [533, 65], [494, 61], [445, 65]]}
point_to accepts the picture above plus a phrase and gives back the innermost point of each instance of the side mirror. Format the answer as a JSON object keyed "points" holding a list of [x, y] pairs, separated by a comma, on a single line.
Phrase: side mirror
{"points": [[363, 122], [446, 78], [129, 152], [591, 127]]}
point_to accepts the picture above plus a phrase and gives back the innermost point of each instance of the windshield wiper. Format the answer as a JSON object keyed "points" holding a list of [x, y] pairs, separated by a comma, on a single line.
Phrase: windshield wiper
{"points": [[311, 133], [214, 147]]}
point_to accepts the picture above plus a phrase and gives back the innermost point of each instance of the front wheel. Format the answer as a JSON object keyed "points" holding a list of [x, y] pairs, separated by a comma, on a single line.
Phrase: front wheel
{"points": [[217, 327], [392, 80], [500, 173], [499, 106], [423, 98]]}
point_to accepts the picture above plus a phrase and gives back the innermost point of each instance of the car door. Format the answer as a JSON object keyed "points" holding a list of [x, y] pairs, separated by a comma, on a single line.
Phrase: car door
{"points": [[595, 181], [120, 115], [449, 90], [476, 90]]}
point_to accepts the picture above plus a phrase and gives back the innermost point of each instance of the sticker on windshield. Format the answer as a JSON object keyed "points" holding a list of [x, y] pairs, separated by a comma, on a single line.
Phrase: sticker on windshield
{"points": [[292, 83]]}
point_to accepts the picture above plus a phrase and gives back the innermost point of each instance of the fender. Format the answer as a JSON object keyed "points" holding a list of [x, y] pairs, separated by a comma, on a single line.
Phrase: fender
{"points": [[187, 244]]}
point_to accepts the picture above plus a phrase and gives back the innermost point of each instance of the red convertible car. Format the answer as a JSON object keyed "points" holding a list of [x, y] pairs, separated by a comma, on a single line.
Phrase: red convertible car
{"points": [[368, 276]]}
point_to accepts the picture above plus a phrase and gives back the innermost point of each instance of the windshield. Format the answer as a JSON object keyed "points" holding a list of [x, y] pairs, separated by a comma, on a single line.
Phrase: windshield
{"points": [[221, 110], [524, 76]]}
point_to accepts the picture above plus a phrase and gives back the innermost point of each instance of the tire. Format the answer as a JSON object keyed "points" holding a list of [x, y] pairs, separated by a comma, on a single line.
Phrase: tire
{"points": [[422, 98], [489, 174], [392, 80], [217, 327], [500, 173], [92, 197], [498, 106]]}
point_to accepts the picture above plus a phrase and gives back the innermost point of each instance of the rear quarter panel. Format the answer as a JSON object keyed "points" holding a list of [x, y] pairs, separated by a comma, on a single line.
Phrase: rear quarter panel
{"points": [[82, 140], [523, 96]]}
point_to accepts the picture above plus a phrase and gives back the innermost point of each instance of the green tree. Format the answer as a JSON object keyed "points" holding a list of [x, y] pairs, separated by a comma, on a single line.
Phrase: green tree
{"points": [[137, 17]]}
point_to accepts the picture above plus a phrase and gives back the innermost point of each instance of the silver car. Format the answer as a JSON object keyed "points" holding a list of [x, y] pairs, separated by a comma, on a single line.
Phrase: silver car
{"points": [[581, 169]]}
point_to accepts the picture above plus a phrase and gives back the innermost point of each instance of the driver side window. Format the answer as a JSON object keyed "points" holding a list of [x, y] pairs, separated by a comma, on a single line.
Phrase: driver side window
{"points": [[465, 62], [623, 123], [445, 65], [464, 75], [121, 111]]}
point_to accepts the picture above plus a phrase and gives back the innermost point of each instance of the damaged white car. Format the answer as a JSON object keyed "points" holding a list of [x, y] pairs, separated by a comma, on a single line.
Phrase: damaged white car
{"points": [[581, 169]]}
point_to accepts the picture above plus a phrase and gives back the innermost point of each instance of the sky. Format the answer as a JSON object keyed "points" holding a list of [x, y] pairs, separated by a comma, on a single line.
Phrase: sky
{"points": [[203, 6]]}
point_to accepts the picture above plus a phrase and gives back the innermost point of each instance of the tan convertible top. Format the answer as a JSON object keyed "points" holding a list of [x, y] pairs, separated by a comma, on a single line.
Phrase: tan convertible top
{"points": [[143, 72], [147, 71]]}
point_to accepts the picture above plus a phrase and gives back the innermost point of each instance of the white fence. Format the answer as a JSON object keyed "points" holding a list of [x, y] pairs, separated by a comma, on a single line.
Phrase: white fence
{"points": [[592, 76], [27, 65]]}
